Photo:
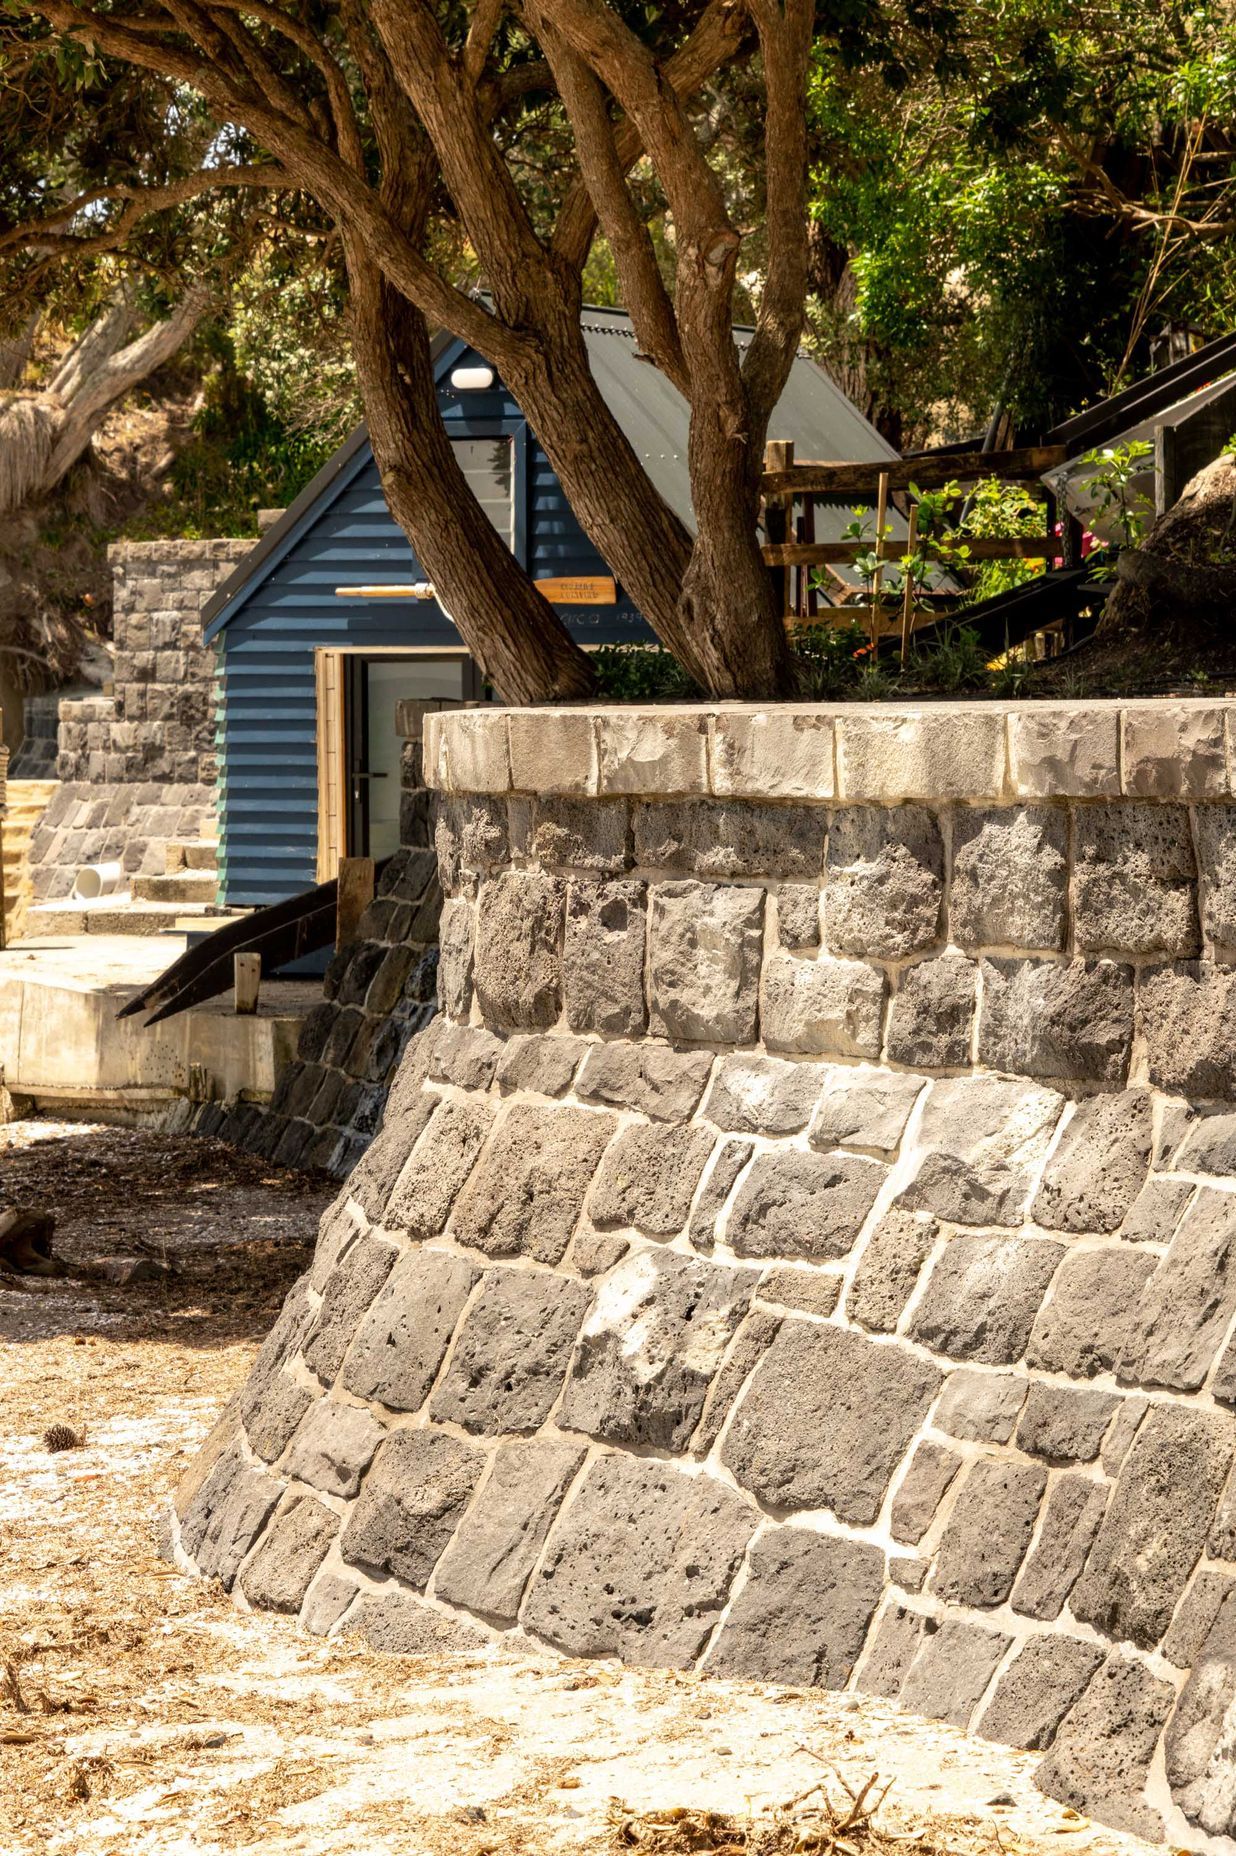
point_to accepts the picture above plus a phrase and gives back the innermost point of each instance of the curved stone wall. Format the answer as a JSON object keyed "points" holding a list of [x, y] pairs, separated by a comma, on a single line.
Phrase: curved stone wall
{"points": [[804, 1248]]}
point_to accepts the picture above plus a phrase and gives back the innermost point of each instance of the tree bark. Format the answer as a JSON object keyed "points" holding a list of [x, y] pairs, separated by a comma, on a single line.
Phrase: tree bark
{"points": [[513, 633], [1183, 577]]}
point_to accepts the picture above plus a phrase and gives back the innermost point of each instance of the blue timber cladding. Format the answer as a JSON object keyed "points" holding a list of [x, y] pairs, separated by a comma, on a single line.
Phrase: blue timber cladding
{"points": [[267, 631]]}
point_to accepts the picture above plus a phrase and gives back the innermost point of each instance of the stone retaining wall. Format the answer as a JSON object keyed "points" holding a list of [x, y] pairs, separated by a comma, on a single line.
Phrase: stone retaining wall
{"points": [[805, 1247]]}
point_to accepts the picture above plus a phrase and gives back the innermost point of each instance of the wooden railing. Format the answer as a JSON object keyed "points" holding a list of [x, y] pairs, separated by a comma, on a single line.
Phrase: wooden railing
{"points": [[791, 550]]}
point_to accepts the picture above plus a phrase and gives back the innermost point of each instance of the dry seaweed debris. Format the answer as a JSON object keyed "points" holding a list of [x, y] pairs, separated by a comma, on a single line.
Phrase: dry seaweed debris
{"points": [[809, 1822]]}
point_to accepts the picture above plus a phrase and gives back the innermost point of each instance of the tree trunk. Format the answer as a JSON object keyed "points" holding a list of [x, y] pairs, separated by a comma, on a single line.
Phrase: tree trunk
{"points": [[1183, 577], [513, 633]]}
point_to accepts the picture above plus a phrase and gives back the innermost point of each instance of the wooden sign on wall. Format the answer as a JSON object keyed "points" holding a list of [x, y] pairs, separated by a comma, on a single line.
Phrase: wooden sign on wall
{"points": [[585, 590]]}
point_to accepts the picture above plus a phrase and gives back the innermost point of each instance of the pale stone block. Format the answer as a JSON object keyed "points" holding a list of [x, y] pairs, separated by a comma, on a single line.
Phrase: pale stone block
{"points": [[1058, 751], [939, 753], [477, 757], [434, 751], [662, 753], [553, 751], [1175, 751], [772, 754]]}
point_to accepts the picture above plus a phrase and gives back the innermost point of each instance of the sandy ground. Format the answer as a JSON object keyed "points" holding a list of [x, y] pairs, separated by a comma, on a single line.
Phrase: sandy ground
{"points": [[141, 1713]]}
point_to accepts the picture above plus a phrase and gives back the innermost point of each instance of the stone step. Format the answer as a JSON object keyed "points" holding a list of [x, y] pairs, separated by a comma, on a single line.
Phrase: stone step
{"points": [[113, 915], [192, 854], [186, 886]]}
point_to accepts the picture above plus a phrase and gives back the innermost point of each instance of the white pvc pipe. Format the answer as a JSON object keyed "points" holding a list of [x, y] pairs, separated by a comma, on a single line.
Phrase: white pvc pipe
{"points": [[95, 880]]}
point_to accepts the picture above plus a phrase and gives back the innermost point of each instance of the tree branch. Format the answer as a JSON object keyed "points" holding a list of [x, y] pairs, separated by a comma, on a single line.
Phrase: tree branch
{"points": [[342, 113], [141, 201], [785, 41], [484, 24]]}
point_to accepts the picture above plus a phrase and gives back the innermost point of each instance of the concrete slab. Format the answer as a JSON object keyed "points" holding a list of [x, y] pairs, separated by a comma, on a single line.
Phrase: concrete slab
{"points": [[62, 1043]]}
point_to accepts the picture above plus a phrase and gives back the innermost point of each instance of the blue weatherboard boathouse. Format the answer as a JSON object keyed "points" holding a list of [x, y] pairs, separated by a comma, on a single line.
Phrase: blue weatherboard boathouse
{"points": [[311, 666]]}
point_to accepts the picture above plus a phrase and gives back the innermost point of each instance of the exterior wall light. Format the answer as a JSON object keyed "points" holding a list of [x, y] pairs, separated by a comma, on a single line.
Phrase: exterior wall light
{"points": [[472, 379]]}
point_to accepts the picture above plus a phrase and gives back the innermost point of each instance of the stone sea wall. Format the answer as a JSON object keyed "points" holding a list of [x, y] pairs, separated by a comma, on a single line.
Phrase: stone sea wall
{"points": [[804, 1248]]}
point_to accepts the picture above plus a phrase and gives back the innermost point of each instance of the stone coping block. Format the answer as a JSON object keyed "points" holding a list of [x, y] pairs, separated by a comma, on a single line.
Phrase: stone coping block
{"points": [[881, 753]]}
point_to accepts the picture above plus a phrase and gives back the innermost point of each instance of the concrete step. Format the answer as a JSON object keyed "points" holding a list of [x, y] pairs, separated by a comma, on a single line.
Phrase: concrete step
{"points": [[192, 854], [187, 886], [112, 915]]}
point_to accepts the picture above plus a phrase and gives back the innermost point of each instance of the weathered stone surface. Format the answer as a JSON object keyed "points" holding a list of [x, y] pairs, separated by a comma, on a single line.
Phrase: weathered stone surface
{"points": [[704, 965], [984, 1140], [272, 1411], [437, 1167], [1216, 846], [988, 1532], [888, 1269], [731, 1158], [1124, 1428], [466, 1055], [553, 751], [778, 753], [1223, 1384], [922, 1489], [861, 1107], [795, 1204], [1100, 1164], [952, 1669], [1101, 1758], [334, 1446], [908, 1573], [410, 1503], [397, 1624], [470, 835], [545, 1066], [648, 1178], [1069, 750], [1135, 880], [826, 1419], [221, 1523], [583, 834], [594, 1252], [350, 1288], [296, 1541], [755, 1335], [1071, 1520], [517, 966], [402, 1341], [803, 1612], [455, 958], [1200, 1742], [798, 915], [652, 1342], [809, 1291], [526, 1195], [487, 1565], [1084, 1323], [898, 753], [1036, 1691], [654, 751], [824, 1006], [664, 1084], [326, 1602], [1010, 877], [639, 1564], [1156, 1524], [885, 882], [1222, 1542], [1188, 1017], [931, 1021], [1195, 1614], [982, 1296], [1188, 1303], [894, 1644], [510, 1356], [1043, 1019], [339, 1228], [980, 1407], [730, 838], [1064, 1425], [1175, 751], [1156, 1211], [751, 1094], [603, 958], [1209, 1146]]}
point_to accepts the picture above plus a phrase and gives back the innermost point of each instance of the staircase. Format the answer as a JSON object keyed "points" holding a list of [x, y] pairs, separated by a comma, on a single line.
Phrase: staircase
{"points": [[191, 875], [26, 801]]}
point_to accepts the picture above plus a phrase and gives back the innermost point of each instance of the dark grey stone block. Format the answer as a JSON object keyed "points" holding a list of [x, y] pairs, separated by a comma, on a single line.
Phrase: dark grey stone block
{"points": [[1073, 1021], [1071, 1520], [730, 838], [664, 1084], [1135, 879], [1156, 1211], [488, 1563], [1064, 1425], [1036, 1691], [526, 1195], [648, 1178], [350, 1288], [982, 1296], [1196, 1612], [754, 1337], [1095, 1297], [1188, 1304], [1188, 1017], [510, 1356], [226, 1515], [517, 964], [435, 1172], [1100, 1165], [652, 1343], [731, 1158], [333, 1447], [410, 1503], [640, 1564], [954, 1665], [802, 1615], [704, 964], [798, 914], [581, 834], [931, 1022], [1101, 1758], [884, 892], [794, 1204], [397, 1624], [923, 1487], [988, 1532], [1010, 877], [544, 1065], [888, 1269], [826, 1419], [287, 1556], [402, 1341], [822, 1007], [1200, 1770], [466, 1055], [271, 1412], [895, 1642], [603, 958]]}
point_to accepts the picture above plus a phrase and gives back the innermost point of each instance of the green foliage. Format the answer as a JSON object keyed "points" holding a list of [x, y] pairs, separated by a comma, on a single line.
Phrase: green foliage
{"points": [[956, 661], [829, 660], [641, 673], [1119, 507]]}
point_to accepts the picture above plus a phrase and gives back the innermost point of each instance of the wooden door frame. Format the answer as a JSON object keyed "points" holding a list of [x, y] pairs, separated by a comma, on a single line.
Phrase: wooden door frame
{"points": [[331, 737]]}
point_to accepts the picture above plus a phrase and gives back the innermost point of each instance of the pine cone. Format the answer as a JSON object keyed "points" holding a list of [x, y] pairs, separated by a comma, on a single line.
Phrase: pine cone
{"points": [[63, 1437]]}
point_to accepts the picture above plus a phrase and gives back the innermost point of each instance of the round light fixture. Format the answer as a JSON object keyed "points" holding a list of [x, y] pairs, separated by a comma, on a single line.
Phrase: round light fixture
{"points": [[472, 379]]}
